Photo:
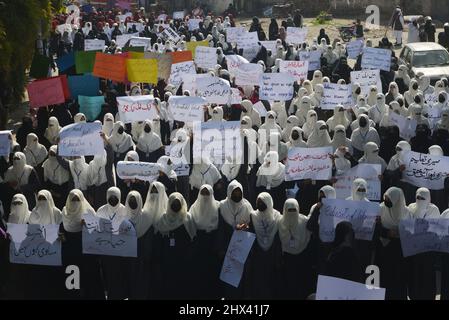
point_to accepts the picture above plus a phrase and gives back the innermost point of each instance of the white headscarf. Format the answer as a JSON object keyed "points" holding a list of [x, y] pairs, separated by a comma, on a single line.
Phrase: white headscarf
{"points": [[53, 170], [97, 170], [205, 210], [250, 112], [230, 168], [148, 142], [216, 114], [372, 96], [317, 95], [304, 106], [171, 220], [397, 160], [271, 173], [204, 173], [137, 129], [120, 143], [339, 118], [117, 213], [371, 156], [391, 217], [52, 131], [235, 213], [281, 113], [356, 195], [155, 203], [108, 123], [423, 209], [35, 153], [45, 211], [19, 210], [317, 78], [19, 171], [341, 163], [319, 137], [80, 173], [167, 168], [309, 125], [361, 136], [291, 122], [293, 229], [140, 219], [77, 118], [73, 211], [265, 222], [340, 139], [298, 143]]}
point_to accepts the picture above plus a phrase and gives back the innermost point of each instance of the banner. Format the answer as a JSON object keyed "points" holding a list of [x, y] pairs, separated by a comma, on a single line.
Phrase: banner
{"points": [[276, 86], [180, 69], [298, 69], [355, 48], [90, 106], [361, 214], [213, 89], [81, 139], [270, 45], [191, 46], [369, 172], [217, 140], [236, 96], [108, 66], [296, 35], [189, 82], [250, 53], [145, 171], [236, 255], [85, 61], [424, 235], [366, 79], [234, 62], [407, 126], [314, 59], [205, 57], [136, 108], [45, 92], [425, 170], [94, 45], [330, 288], [34, 244], [5, 143], [142, 70], [248, 74], [374, 58], [110, 238], [84, 85], [308, 163], [187, 109], [336, 94], [232, 33], [139, 26]]}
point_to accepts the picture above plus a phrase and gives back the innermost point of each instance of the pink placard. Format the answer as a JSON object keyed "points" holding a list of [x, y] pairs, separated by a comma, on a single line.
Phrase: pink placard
{"points": [[46, 92]]}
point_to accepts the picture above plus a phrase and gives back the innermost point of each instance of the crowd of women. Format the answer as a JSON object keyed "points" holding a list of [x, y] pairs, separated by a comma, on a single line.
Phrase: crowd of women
{"points": [[184, 223]]}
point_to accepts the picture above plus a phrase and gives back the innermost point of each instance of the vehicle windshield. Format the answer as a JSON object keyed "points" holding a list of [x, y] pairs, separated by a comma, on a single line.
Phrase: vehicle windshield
{"points": [[433, 58]]}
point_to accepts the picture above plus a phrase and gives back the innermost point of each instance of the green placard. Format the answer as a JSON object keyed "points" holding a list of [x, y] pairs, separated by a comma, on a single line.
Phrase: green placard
{"points": [[84, 61], [133, 49]]}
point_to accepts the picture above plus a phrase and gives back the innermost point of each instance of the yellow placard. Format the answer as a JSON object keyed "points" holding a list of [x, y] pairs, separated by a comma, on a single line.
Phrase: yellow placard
{"points": [[136, 55], [142, 70], [191, 46]]}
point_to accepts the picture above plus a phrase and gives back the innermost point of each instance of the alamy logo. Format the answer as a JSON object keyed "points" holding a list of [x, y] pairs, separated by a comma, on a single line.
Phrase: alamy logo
{"points": [[373, 20], [73, 280], [373, 280]]}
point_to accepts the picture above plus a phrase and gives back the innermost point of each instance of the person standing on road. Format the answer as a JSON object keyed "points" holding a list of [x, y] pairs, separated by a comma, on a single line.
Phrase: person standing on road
{"points": [[397, 24]]}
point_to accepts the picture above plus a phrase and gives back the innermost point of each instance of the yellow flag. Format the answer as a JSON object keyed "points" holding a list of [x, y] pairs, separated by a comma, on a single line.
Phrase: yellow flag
{"points": [[142, 70], [191, 46]]}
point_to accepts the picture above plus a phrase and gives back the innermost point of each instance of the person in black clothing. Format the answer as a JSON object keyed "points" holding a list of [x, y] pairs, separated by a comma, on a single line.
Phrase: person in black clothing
{"points": [[430, 30], [422, 141], [256, 26], [323, 35], [78, 41], [298, 18], [23, 131], [273, 30], [116, 32], [342, 71], [359, 29], [443, 37]]}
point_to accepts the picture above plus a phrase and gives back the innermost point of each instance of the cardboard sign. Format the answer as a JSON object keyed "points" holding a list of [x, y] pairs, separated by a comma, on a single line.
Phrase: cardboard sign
{"points": [[308, 163], [112, 67], [136, 108], [46, 92], [276, 86], [142, 70]]}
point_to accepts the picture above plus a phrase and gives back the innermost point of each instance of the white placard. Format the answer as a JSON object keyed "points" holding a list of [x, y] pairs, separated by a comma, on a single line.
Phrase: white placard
{"points": [[178, 15], [180, 69], [247, 40], [259, 107], [369, 172], [5, 143], [407, 126], [236, 255], [374, 58], [194, 24], [236, 96], [308, 163], [140, 42], [366, 79], [296, 35], [109, 238], [180, 163], [170, 34], [250, 53], [136, 108], [335, 94], [234, 62], [214, 90], [81, 139], [186, 109], [189, 82], [121, 40], [94, 44], [276, 86], [248, 74], [34, 244], [298, 69], [232, 33], [139, 26], [354, 48], [425, 170], [205, 57], [330, 288], [270, 45], [145, 171], [361, 214], [314, 58]]}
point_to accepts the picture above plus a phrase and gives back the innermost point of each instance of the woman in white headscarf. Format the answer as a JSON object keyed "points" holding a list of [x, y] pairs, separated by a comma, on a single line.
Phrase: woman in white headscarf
{"points": [[371, 156], [424, 85], [19, 213], [295, 140], [378, 110], [56, 178], [120, 141], [304, 107], [128, 185], [79, 118], [319, 136], [443, 123], [416, 113], [362, 135], [247, 124], [177, 232], [35, 152], [265, 255], [108, 124], [317, 78], [291, 122], [409, 95], [205, 213], [421, 267], [361, 103], [216, 114], [393, 93], [45, 211], [309, 125], [273, 143], [137, 130], [167, 176], [149, 144], [372, 96], [389, 256], [342, 161], [270, 178], [339, 118], [204, 172], [52, 131], [402, 78], [281, 113], [248, 110], [339, 139], [296, 253], [156, 202], [22, 178], [317, 95]]}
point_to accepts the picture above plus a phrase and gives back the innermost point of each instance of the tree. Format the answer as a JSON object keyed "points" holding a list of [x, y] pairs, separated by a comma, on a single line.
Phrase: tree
{"points": [[20, 23]]}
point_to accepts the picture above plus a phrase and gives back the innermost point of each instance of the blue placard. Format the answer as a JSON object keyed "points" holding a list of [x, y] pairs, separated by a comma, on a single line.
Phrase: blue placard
{"points": [[84, 85], [90, 106], [66, 62]]}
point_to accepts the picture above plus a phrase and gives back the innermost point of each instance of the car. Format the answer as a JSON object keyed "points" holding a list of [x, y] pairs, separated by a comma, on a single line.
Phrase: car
{"points": [[428, 58]]}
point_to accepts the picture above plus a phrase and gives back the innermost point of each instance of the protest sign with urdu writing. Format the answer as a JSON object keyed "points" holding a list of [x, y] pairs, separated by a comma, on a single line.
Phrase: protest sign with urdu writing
{"points": [[296, 35], [34, 244], [366, 79], [94, 45], [369, 172], [330, 288], [234, 62], [121, 40], [375, 58], [81, 139], [276, 86], [232, 33], [194, 24], [145, 43], [180, 163], [111, 238], [186, 109], [145, 171], [191, 46], [247, 40], [335, 94], [407, 126], [236, 96], [213, 89], [248, 74], [313, 57], [308, 163], [425, 170], [170, 34], [136, 108], [180, 69], [361, 214], [236, 255], [354, 48], [298, 69], [205, 57]]}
